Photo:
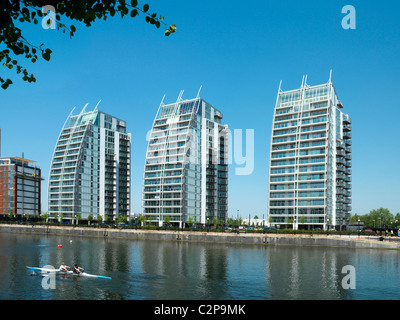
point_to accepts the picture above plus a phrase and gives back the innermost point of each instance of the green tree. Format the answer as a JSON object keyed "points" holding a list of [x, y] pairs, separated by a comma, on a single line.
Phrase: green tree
{"points": [[215, 221], [191, 221], [44, 216], [86, 12], [122, 219], [167, 220], [376, 218], [142, 220], [78, 217], [302, 220]]}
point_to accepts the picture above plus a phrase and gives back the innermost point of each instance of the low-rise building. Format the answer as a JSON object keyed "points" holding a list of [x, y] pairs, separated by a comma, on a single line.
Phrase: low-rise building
{"points": [[20, 187]]}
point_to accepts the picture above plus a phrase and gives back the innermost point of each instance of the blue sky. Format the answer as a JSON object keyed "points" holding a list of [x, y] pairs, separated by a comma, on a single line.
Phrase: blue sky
{"points": [[238, 52]]}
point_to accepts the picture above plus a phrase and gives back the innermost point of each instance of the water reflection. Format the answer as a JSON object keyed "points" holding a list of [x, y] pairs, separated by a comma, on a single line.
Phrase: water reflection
{"points": [[177, 270], [309, 273]]}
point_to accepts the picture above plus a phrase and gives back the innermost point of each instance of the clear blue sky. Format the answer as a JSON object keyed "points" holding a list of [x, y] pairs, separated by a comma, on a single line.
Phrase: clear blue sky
{"points": [[238, 51]]}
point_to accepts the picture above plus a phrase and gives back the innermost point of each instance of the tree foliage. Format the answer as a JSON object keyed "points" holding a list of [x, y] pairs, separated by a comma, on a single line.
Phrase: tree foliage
{"points": [[13, 44], [381, 217]]}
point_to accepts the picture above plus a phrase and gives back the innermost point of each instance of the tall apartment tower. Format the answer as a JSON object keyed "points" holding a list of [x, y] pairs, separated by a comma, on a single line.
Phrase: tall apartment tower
{"points": [[310, 159], [90, 170], [20, 187], [186, 169]]}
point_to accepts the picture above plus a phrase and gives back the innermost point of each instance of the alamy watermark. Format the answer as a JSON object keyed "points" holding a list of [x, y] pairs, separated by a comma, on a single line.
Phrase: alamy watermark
{"points": [[49, 278], [349, 280], [202, 147], [349, 20], [49, 20]]}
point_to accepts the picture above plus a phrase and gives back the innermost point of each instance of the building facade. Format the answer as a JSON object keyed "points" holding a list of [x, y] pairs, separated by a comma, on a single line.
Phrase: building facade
{"points": [[310, 160], [20, 187], [186, 167], [90, 169]]}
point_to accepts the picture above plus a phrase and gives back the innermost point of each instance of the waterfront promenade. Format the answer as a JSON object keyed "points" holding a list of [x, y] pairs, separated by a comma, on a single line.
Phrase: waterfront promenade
{"points": [[325, 240]]}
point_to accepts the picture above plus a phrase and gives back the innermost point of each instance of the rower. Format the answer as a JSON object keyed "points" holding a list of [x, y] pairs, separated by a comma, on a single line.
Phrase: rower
{"points": [[63, 267], [77, 269]]}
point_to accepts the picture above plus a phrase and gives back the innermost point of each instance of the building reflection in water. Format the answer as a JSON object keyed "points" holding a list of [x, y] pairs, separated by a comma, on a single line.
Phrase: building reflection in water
{"points": [[307, 273], [165, 270]]}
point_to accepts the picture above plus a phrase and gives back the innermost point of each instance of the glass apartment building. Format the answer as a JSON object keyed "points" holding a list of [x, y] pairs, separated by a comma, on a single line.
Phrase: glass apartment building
{"points": [[310, 160], [186, 168], [20, 187], [90, 169]]}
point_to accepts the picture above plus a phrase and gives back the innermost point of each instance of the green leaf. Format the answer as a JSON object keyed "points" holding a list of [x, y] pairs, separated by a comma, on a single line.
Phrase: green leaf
{"points": [[46, 54], [6, 84], [146, 7], [134, 13], [134, 3], [73, 29]]}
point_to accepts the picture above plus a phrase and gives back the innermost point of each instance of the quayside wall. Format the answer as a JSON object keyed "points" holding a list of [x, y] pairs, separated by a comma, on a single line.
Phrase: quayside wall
{"points": [[211, 237]]}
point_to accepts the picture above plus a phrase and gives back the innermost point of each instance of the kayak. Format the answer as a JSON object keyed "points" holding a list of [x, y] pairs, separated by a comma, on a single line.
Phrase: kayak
{"points": [[82, 274]]}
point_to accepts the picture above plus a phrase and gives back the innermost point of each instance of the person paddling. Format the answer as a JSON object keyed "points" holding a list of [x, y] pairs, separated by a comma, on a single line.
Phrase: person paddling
{"points": [[63, 267], [77, 269]]}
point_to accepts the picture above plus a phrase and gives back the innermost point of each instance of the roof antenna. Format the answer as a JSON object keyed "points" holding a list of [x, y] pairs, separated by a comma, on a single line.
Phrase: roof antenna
{"points": [[198, 93], [162, 101], [302, 82], [180, 96], [330, 76], [305, 81], [84, 108], [97, 105]]}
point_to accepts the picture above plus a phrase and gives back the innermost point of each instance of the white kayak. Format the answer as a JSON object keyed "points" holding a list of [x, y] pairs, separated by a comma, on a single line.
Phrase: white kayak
{"points": [[82, 274]]}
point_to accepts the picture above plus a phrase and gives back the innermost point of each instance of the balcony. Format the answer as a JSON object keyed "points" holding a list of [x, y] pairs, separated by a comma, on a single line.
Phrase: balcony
{"points": [[346, 119], [339, 145], [346, 135], [347, 127], [340, 104], [340, 176], [340, 160], [340, 153], [340, 184]]}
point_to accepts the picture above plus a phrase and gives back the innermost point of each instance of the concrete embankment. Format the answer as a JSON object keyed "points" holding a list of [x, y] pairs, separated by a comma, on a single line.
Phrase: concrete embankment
{"points": [[210, 237]]}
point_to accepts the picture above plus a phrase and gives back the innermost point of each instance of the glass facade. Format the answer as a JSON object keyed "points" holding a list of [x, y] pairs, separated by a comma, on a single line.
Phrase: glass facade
{"points": [[90, 170], [310, 160], [185, 175]]}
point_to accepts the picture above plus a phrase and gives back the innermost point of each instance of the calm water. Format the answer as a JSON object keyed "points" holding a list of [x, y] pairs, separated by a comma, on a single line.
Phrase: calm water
{"points": [[167, 270]]}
